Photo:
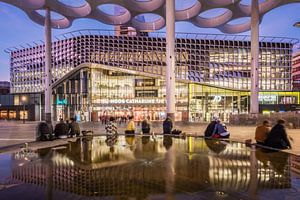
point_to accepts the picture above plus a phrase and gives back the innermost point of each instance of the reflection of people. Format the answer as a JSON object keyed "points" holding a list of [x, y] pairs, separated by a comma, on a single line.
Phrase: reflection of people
{"points": [[261, 132], [216, 146], [277, 138], [111, 128], [278, 160], [74, 128], [111, 140], [167, 126], [145, 139], [130, 139], [167, 142], [61, 129], [130, 127]]}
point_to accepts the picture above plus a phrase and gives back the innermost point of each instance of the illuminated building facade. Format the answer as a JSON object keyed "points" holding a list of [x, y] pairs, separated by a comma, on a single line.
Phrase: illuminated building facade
{"points": [[296, 71], [98, 74]]}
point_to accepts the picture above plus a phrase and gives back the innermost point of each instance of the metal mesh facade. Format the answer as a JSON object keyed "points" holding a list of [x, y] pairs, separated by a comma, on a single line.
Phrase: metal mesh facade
{"points": [[215, 60]]}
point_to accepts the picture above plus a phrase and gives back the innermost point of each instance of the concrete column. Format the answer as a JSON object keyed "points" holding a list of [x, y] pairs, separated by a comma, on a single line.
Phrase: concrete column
{"points": [[254, 106], [170, 59], [48, 76]]}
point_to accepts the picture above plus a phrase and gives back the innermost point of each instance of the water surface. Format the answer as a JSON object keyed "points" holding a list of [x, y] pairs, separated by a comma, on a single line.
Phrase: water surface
{"points": [[144, 167]]}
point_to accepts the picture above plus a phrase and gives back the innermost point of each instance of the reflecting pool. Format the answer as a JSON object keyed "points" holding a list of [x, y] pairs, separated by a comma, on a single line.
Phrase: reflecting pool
{"points": [[146, 167]]}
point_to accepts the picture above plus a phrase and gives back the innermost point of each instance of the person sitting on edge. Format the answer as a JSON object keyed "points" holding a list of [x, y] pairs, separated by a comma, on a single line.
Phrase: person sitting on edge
{"points": [[261, 132], [220, 130], [167, 126], [146, 125], [277, 138], [61, 129], [210, 128], [111, 128], [74, 128], [130, 130]]}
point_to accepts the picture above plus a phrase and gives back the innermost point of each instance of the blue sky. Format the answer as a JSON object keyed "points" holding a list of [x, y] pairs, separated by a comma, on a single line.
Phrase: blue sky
{"points": [[18, 29]]}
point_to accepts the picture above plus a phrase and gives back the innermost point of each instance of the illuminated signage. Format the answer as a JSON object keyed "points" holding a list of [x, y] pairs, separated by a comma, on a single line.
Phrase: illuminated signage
{"points": [[132, 101], [217, 99], [62, 102], [267, 98]]}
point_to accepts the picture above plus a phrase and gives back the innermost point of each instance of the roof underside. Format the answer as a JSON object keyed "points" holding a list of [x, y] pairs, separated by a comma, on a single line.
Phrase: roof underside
{"points": [[126, 12]]}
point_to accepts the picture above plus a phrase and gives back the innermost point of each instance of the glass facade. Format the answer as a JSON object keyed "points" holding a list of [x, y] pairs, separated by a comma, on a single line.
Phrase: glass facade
{"points": [[94, 93], [96, 75]]}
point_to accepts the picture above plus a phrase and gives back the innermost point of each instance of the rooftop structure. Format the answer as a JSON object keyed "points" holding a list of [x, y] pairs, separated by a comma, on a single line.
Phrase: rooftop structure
{"points": [[200, 13]]}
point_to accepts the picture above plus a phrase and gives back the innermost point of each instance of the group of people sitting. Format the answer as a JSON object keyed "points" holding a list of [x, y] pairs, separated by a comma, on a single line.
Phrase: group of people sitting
{"points": [[111, 126], [216, 129], [66, 129], [61, 130], [275, 137]]}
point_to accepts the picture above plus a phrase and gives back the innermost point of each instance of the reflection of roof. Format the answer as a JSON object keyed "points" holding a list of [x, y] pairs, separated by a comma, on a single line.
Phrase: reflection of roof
{"points": [[195, 13]]}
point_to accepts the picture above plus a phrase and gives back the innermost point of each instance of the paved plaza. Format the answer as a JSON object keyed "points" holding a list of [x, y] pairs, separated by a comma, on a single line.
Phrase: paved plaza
{"points": [[13, 133]]}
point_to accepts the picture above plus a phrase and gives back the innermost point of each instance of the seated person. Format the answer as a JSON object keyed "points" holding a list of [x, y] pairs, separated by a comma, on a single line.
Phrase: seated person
{"points": [[210, 128], [74, 129], [167, 126], [61, 129], [277, 138], [111, 128], [130, 129], [44, 132], [220, 130], [261, 132]]}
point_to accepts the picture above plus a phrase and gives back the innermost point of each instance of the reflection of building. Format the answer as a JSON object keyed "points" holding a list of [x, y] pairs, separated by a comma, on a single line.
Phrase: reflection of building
{"points": [[296, 71], [122, 173], [99, 74]]}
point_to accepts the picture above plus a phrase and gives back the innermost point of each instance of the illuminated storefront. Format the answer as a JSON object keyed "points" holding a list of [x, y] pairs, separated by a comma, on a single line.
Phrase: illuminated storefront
{"points": [[121, 94]]}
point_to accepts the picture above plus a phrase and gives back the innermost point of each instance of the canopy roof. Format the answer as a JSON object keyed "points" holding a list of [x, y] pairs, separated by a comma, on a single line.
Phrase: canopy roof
{"points": [[132, 12]]}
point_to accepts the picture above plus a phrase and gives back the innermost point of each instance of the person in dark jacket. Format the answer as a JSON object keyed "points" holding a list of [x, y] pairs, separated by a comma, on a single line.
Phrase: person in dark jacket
{"points": [[167, 126], [210, 128], [220, 130], [44, 132], [146, 125], [277, 138], [74, 128], [61, 129]]}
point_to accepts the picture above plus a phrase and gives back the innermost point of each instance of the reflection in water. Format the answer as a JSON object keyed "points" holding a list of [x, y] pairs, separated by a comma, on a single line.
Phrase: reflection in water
{"points": [[146, 167], [216, 146]]}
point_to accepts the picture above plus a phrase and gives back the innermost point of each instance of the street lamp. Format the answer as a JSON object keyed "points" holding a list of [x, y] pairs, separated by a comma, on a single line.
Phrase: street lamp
{"points": [[24, 99]]}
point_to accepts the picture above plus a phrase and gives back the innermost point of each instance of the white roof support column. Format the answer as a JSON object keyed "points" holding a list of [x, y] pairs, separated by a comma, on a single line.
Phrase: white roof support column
{"points": [[170, 59], [48, 76], [254, 104]]}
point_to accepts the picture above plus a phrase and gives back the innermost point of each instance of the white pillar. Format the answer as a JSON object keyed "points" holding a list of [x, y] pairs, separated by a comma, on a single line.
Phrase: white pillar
{"points": [[254, 105], [170, 59], [48, 78]]}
